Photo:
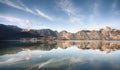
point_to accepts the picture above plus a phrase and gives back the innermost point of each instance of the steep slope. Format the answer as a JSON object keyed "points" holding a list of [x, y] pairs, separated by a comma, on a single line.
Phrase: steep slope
{"points": [[8, 31], [46, 32]]}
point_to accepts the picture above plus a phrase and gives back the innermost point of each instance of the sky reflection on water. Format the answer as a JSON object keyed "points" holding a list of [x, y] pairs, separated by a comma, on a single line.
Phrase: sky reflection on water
{"points": [[73, 57]]}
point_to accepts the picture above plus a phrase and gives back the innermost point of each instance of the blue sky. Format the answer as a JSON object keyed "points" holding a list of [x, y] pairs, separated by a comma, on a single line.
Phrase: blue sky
{"points": [[70, 15]]}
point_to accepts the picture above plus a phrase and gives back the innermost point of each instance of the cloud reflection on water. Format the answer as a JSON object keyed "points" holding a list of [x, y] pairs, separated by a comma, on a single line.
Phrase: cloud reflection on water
{"points": [[69, 54], [26, 55]]}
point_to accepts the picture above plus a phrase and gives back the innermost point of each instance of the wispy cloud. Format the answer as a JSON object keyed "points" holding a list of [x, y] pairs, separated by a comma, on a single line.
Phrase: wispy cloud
{"points": [[114, 9], [40, 25], [19, 5], [96, 9], [11, 59], [50, 61], [72, 11], [40, 13], [91, 21], [24, 23], [45, 63], [114, 5], [67, 6], [94, 16], [26, 8], [75, 20]]}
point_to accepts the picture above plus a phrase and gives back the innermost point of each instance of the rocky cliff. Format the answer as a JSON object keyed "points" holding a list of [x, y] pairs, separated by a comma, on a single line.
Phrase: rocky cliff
{"points": [[106, 33]]}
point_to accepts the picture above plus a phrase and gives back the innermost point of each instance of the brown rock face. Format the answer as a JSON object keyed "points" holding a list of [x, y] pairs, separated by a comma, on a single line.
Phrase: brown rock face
{"points": [[106, 33]]}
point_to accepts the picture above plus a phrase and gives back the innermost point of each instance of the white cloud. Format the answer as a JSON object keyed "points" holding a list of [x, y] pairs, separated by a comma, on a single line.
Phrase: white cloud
{"points": [[26, 8], [11, 19], [114, 9], [95, 14], [10, 3], [96, 9], [18, 5], [43, 15], [82, 21], [73, 12], [40, 25], [75, 20], [114, 5], [99, 25], [45, 63], [67, 6], [24, 23]]}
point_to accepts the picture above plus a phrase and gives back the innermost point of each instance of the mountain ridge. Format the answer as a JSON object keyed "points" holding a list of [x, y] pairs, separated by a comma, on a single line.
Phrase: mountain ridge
{"points": [[8, 32]]}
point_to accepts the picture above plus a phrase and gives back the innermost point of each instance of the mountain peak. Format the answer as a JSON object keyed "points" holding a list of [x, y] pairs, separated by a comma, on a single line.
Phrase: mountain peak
{"points": [[64, 31], [107, 28]]}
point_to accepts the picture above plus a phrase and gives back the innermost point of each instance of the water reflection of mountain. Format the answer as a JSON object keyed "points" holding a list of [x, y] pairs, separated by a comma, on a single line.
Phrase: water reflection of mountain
{"points": [[15, 47], [106, 47]]}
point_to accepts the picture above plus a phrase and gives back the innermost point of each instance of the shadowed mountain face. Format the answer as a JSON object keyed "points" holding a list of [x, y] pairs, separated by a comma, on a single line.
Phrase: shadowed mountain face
{"points": [[8, 32], [46, 32]]}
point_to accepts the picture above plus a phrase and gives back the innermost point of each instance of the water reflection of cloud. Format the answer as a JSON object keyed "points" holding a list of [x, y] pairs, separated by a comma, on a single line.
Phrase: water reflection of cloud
{"points": [[102, 46], [51, 61], [75, 60], [23, 55], [45, 63], [10, 60], [84, 53]]}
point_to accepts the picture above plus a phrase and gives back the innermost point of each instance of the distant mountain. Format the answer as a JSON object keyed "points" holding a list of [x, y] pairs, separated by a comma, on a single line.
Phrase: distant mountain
{"points": [[106, 33], [10, 32], [28, 34], [46, 32], [64, 35]]}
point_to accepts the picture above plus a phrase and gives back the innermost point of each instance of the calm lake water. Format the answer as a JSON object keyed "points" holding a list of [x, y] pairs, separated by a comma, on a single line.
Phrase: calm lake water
{"points": [[62, 55]]}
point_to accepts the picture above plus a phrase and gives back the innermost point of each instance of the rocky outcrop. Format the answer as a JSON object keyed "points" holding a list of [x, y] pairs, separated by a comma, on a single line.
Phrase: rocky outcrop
{"points": [[64, 35], [106, 33]]}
